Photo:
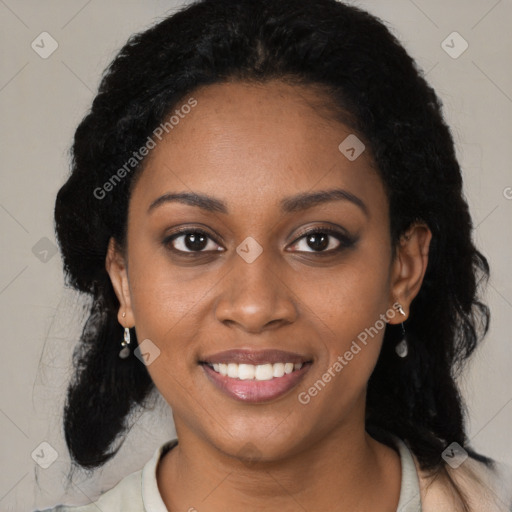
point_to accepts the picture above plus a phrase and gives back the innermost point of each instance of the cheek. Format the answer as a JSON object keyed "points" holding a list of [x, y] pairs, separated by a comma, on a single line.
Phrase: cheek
{"points": [[165, 310], [350, 306], [347, 298], [163, 294]]}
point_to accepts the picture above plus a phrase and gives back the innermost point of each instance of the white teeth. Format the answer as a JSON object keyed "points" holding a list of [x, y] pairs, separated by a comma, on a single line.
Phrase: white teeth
{"points": [[264, 372], [255, 372], [278, 370], [245, 372], [233, 370]]}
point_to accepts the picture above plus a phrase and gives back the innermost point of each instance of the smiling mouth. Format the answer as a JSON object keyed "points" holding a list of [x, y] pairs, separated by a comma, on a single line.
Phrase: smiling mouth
{"points": [[259, 372], [255, 376]]}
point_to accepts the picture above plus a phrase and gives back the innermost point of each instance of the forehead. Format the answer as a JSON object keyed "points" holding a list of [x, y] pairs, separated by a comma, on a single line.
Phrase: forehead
{"points": [[252, 144]]}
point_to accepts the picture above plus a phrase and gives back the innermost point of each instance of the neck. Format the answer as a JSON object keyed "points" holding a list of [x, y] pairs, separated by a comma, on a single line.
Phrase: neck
{"points": [[344, 471]]}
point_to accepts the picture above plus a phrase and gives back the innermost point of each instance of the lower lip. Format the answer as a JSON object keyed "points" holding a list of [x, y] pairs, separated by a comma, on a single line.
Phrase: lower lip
{"points": [[256, 390]]}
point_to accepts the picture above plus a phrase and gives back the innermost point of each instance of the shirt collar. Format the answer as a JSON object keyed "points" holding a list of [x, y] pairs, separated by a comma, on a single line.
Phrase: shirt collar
{"points": [[151, 497]]}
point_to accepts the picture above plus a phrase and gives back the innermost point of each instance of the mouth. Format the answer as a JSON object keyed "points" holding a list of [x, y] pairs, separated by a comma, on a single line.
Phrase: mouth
{"points": [[251, 372], [255, 376]]}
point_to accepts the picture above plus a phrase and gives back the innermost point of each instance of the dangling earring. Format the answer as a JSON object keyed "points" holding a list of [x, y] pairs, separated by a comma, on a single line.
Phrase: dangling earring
{"points": [[402, 348], [125, 349]]}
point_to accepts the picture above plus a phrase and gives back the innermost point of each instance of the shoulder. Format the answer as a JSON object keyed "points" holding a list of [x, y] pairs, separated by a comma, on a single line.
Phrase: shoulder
{"points": [[487, 489], [126, 496], [131, 494]]}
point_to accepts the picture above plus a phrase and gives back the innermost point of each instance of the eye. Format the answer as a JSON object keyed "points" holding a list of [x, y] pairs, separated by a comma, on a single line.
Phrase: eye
{"points": [[322, 240], [191, 241]]}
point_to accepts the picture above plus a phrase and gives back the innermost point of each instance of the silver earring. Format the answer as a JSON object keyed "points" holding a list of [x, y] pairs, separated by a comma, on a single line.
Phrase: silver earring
{"points": [[402, 349], [125, 349]]}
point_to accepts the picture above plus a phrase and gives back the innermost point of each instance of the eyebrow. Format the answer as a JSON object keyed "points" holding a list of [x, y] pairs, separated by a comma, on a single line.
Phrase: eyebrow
{"points": [[309, 199], [290, 204]]}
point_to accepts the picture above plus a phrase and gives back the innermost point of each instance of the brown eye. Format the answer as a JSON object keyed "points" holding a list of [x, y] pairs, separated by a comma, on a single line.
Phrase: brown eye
{"points": [[318, 241], [191, 241], [322, 240]]}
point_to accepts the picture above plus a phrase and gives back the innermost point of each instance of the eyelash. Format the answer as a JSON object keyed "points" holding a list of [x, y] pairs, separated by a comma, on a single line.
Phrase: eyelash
{"points": [[345, 241]]}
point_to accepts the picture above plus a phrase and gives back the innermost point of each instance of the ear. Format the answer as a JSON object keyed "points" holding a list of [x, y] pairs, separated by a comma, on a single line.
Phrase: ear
{"points": [[409, 267], [116, 267]]}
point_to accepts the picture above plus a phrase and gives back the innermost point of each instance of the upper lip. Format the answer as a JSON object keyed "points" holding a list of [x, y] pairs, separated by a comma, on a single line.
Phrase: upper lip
{"points": [[255, 357]]}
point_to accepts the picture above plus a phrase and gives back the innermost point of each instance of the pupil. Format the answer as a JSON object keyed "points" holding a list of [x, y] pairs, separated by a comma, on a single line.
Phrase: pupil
{"points": [[318, 241], [195, 241]]}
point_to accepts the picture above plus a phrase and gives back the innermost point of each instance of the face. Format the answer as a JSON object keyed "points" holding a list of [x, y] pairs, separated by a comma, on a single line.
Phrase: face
{"points": [[262, 275]]}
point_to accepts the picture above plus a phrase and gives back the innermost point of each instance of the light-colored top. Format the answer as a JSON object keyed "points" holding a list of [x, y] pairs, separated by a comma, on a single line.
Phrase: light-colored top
{"points": [[138, 491]]}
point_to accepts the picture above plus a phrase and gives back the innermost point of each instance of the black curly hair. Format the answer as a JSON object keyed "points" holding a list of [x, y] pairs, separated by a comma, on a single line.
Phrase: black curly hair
{"points": [[369, 80]]}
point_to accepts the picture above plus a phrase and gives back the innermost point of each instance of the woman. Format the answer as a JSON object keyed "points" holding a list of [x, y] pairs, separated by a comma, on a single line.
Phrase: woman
{"points": [[265, 200]]}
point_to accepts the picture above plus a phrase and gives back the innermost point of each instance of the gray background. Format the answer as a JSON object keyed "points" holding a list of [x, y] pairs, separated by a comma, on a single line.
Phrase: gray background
{"points": [[41, 103]]}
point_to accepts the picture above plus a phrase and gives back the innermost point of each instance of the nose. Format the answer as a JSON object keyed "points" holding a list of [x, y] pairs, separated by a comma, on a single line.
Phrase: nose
{"points": [[254, 296]]}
